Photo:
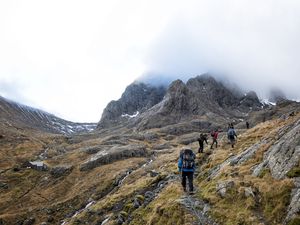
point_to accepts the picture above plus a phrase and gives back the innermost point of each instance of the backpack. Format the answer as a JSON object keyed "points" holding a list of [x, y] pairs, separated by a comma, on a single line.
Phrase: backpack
{"points": [[188, 159], [231, 133], [212, 134]]}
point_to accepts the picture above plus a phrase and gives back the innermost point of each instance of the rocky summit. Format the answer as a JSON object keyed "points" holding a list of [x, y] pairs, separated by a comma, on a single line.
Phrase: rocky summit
{"points": [[201, 97], [125, 171]]}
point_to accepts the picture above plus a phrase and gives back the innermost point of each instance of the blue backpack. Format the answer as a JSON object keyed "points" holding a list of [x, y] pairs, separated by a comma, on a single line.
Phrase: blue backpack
{"points": [[188, 159]]}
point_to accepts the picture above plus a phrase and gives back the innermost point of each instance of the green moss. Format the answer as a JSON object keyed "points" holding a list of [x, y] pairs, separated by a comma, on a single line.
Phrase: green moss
{"points": [[264, 172], [295, 221], [295, 172]]}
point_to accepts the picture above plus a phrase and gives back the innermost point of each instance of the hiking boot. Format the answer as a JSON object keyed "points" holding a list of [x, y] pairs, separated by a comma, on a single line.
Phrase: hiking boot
{"points": [[191, 192]]}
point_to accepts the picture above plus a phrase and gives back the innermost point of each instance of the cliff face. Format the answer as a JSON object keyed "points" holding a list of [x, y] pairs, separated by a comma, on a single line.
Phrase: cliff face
{"points": [[201, 96], [137, 98]]}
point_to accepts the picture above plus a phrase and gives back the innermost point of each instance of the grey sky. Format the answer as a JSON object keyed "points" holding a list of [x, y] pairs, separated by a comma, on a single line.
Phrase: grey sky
{"points": [[253, 43], [72, 57]]}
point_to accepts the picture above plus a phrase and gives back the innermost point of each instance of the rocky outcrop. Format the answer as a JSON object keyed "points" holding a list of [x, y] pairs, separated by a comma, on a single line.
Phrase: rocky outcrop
{"points": [[249, 101], [114, 154], [201, 96], [294, 207], [61, 170], [137, 98], [283, 155], [238, 159], [222, 187]]}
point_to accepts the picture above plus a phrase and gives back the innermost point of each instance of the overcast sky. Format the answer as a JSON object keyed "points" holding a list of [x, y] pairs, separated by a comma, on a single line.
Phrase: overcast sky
{"points": [[72, 57]]}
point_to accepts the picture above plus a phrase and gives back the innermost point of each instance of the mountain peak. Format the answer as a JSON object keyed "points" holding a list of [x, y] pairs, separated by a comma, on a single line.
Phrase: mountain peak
{"points": [[199, 96]]}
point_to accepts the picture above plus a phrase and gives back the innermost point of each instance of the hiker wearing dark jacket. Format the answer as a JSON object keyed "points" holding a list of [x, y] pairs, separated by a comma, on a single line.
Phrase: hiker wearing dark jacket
{"points": [[186, 165], [201, 140], [231, 134], [214, 135]]}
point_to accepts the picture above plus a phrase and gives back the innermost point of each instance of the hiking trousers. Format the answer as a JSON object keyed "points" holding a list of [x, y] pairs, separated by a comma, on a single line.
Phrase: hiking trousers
{"points": [[214, 141], [200, 150], [189, 176]]}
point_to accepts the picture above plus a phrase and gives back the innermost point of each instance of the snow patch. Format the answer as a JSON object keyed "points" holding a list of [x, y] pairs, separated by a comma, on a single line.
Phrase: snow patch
{"points": [[131, 116], [267, 102]]}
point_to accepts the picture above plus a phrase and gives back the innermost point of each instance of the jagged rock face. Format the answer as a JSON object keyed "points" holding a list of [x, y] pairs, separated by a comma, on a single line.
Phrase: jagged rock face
{"points": [[137, 97], [18, 115], [200, 96]]}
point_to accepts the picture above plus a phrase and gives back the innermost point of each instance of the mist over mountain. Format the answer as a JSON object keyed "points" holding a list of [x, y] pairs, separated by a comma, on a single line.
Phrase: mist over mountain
{"points": [[251, 43]]}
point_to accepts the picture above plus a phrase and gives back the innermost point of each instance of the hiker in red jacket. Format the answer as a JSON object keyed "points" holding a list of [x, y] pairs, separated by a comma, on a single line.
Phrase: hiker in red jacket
{"points": [[214, 135]]}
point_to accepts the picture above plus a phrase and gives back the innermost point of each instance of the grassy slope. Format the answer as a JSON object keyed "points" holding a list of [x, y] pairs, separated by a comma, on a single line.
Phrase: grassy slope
{"points": [[272, 196], [31, 191]]}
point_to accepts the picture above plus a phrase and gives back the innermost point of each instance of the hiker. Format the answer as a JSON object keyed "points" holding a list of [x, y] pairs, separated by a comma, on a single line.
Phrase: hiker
{"points": [[186, 165], [214, 135], [231, 134], [230, 125], [247, 124], [201, 140]]}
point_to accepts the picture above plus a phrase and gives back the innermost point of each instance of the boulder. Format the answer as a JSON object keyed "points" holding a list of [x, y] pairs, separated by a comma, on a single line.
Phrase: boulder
{"points": [[222, 187], [249, 192], [29, 221], [92, 149], [188, 138], [114, 154], [61, 170], [149, 196], [3, 185]]}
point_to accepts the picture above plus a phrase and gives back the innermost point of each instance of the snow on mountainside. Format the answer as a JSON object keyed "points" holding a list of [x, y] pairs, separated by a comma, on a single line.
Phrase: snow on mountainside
{"points": [[15, 114]]}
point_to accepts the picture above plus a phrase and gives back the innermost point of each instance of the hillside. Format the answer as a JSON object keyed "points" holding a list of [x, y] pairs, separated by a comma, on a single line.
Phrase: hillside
{"points": [[16, 115], [126, 173]]}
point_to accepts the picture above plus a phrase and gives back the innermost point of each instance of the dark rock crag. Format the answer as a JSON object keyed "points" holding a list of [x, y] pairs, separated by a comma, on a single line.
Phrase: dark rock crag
{"points": [[200, 96]]}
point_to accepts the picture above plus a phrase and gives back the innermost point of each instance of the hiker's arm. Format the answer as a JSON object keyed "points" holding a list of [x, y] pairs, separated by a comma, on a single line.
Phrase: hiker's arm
{"points": [[179, 164]]}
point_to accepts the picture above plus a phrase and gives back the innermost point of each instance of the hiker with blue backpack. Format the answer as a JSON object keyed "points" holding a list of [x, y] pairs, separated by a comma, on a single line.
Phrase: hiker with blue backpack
{"points": [[231, 134], [186, 165]]}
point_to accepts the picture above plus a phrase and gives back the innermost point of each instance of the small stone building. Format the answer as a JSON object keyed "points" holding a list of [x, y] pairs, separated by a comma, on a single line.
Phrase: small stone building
{"points": [[38, 165]]}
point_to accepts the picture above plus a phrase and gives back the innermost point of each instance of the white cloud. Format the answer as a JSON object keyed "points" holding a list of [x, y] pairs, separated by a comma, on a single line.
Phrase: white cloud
{"points": [[254, 43], [72, 57]]}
